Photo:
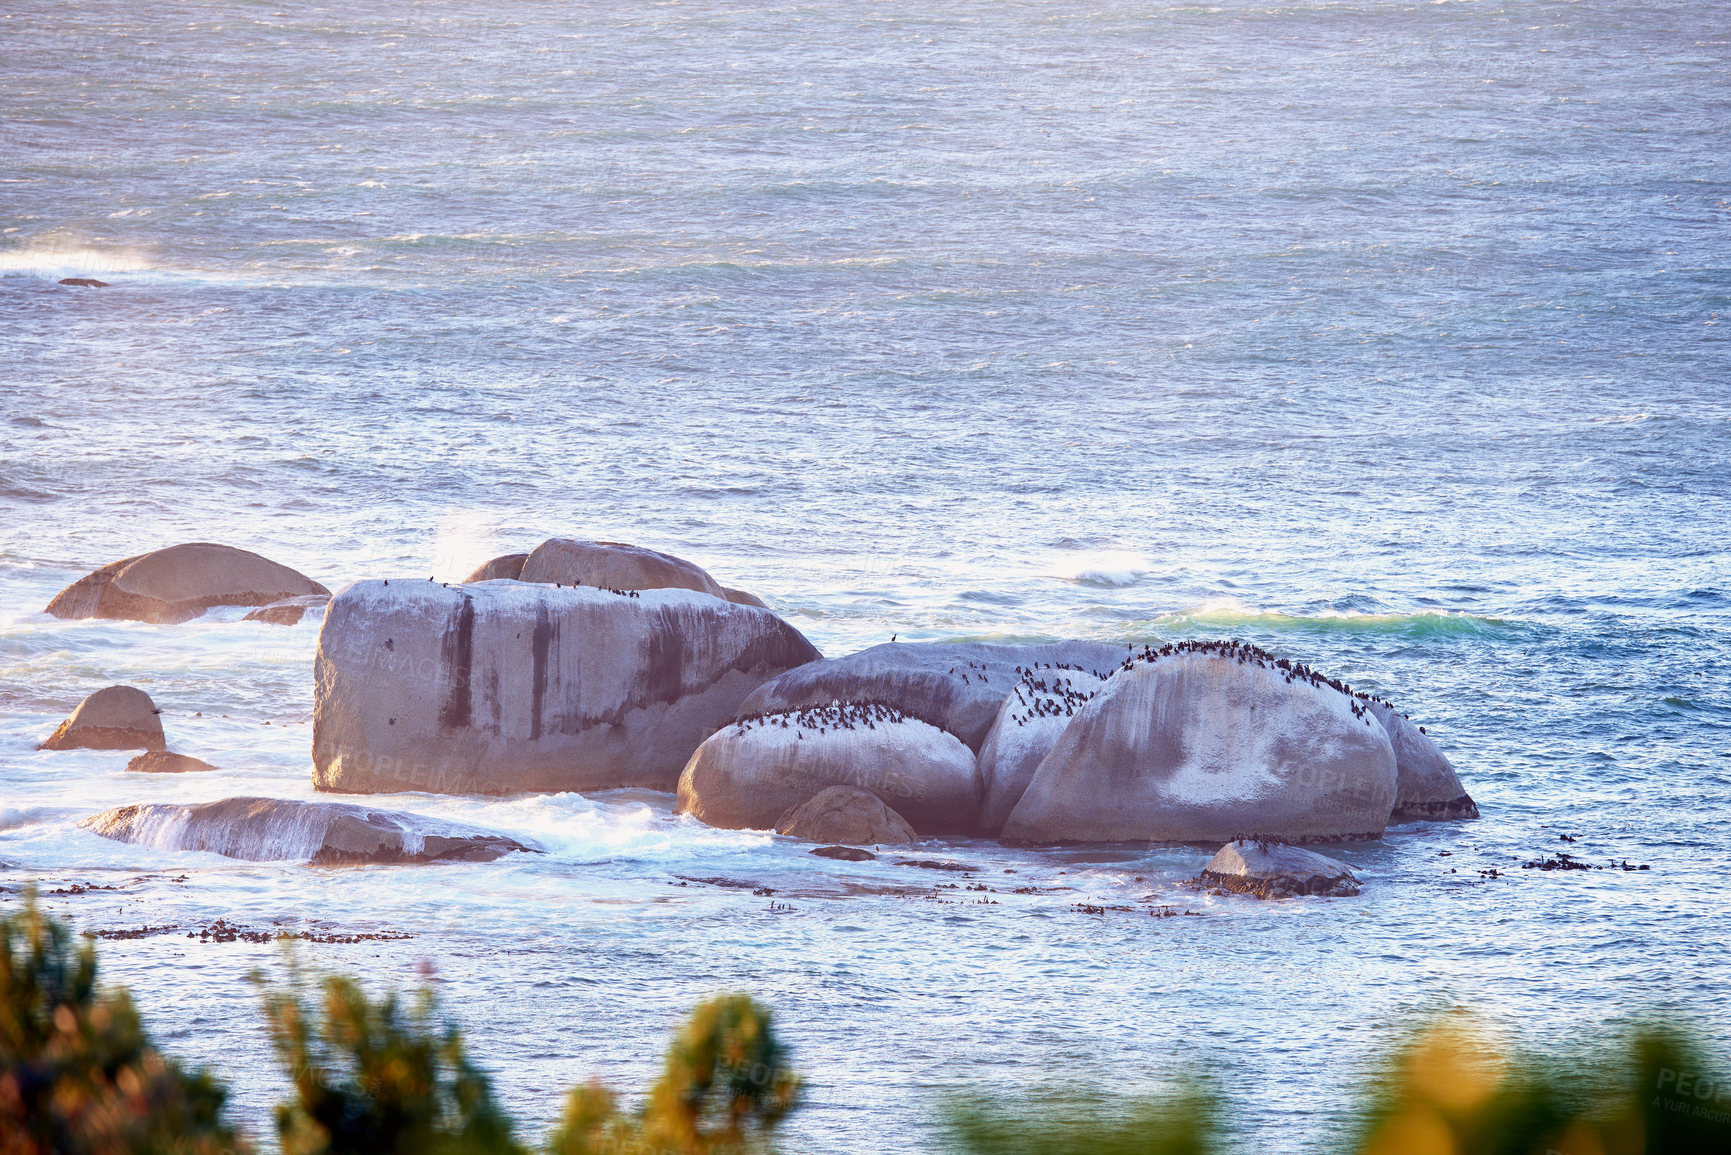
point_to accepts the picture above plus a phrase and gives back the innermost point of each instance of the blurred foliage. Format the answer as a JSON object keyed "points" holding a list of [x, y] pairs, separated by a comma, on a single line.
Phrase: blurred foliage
{"points": [[78, 1075], [376, 1078], [1450, 1092], [725, 1085], [1185, 1123], [1445, 1091]]}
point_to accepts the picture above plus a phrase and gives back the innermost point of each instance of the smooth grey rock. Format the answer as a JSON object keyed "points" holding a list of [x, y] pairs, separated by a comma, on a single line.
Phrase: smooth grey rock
{"points": [[181, 582], [1029, 724], [753, 772], [1277, 870], [955, 686], [507, 686], [1426, 786], [113, 718], [1205, 746], [280, 829], [845, 814]]}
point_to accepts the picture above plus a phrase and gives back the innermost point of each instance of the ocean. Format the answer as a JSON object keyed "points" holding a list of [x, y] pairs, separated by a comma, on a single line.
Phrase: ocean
{"points": [[1391, 337]]}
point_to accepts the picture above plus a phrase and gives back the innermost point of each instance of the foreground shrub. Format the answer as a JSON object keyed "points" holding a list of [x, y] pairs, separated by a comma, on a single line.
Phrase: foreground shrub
{"points": [[78, 1075], [1185, 1123], [725, 1086], [1448, 1091], [374, 1078]]}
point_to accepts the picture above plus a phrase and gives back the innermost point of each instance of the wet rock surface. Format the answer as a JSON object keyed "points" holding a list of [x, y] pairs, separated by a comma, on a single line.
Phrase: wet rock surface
{"points": [[277, 829], [163, 762], [289, 611], [113, 718], [1277, 870], [845, 814]]}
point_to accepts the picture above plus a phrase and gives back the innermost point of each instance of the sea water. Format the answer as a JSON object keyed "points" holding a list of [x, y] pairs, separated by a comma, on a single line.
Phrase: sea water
{"points": [[1388, 336]]}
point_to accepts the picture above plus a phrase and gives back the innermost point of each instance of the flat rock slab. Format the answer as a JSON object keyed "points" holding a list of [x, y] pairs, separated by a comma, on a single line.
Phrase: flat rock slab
{"points": [[113, 718], [285, 830], [179, 583], [1277, 870], [162, 762], [844, 853], [508, 686], [956, 686]]}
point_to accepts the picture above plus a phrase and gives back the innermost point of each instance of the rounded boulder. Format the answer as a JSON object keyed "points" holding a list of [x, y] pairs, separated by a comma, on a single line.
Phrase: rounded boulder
{"points": [[750, 774], [113, 718]]}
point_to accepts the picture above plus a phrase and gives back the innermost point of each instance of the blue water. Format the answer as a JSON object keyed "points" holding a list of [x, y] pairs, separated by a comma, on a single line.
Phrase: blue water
{"points": [[1391, 337]]}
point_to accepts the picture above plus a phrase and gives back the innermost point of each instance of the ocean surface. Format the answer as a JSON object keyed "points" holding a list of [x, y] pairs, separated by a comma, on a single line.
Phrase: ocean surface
{"points": [[1391, 337]]}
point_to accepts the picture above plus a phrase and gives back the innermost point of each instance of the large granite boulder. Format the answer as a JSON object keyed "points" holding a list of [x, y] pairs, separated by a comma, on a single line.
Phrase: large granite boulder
{"points": [[1029, 724], [1426, 786], [284, 830], [1210, 742], [845, 814], [290, 611], [113, 718], [509, 566], [179, 583], [614, 565], [753, 772], [1276, 870], [507, 686], [955, 686]]}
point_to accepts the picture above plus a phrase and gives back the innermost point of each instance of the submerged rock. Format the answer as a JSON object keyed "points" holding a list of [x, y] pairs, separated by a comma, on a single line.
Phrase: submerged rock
{"points": [[844, 853], [284, 830], [508, 565], [162, 762], [181, 582], [1426, 786], [1209, 742], [955, 686], [113, 718], [755, 771], [289, 611], [845, 814], [507, 686], [1276, 870], [84, 282], [1029, 724]]}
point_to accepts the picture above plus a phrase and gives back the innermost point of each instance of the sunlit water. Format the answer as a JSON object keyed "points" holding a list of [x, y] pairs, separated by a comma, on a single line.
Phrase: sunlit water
{"points": [[1390, 337]]}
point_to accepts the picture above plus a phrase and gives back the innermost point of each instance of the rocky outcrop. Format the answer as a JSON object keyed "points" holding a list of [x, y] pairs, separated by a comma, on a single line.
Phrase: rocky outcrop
{"points": [[507, 686], [508, 565], [1029, 724], [845, 814], [1426, 786], [113, 718], [753, 772], [162, 762], [284, 830], [614, 565], [178, 583], [1276, 870], [955, 686], [1207, 742], [289, 611]]}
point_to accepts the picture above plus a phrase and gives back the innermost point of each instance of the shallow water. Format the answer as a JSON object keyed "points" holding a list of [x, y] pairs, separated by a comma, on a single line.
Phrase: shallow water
{"points": [[1387, 336]]}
